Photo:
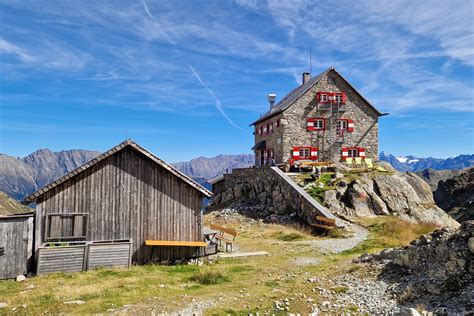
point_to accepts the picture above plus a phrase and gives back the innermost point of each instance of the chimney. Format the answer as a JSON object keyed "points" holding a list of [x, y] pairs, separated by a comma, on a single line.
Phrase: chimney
{"points": [[306, 77], [271, 99]]}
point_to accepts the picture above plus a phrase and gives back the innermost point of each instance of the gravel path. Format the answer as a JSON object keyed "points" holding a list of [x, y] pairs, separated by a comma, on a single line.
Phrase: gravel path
{"points": [[334, 245]]}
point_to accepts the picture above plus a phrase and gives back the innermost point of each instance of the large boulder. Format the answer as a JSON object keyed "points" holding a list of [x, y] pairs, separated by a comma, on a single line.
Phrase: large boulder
{"points": [[403, 194]]}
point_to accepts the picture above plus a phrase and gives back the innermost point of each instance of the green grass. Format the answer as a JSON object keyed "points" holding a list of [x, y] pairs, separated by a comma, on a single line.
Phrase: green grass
{"points": [[171, 288], [288, 236], [316, 191], [389, 232], [209, 277]]}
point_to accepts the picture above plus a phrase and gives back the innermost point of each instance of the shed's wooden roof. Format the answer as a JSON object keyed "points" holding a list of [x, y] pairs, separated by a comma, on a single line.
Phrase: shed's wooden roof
{"points": [[33, 197]]}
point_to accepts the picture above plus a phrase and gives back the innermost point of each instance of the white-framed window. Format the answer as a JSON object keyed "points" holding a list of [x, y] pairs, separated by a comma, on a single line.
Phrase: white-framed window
{"points": [[318, 124], [270, 127], [324, 98], [341, 125], [352, 153], [338, 98], [305, 153]]}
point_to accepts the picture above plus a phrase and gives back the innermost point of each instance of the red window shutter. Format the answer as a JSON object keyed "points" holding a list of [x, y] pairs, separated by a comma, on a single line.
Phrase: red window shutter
{"points": [[344, 153], [310, 124], [343, 98], [295, 153], [350, 126], [361, 152], [314, 153]]}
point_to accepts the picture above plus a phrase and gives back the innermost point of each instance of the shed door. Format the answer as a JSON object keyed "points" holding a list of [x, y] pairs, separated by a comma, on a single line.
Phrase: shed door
{"points": [[14, 250]]}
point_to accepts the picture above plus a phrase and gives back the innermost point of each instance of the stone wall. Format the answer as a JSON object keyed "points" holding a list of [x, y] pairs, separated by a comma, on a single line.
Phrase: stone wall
{"points": [[365, 132], [273, 140], [266, 189]]}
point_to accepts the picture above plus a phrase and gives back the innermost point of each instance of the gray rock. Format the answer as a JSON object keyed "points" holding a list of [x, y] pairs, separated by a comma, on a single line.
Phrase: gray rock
{"points": [[20, 278], [471, 244], [76, 302]]}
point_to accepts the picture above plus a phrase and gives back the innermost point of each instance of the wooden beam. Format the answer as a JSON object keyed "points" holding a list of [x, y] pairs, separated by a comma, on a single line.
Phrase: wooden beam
{"points": [[330, 221], [175, 243]]}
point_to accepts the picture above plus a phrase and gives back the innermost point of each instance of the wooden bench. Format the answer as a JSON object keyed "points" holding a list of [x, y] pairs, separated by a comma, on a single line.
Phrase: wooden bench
{"points": [[324, 222], [175, 243], [226, 235]]}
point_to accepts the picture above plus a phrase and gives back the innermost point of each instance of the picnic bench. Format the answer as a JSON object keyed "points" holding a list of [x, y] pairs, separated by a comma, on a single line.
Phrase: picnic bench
{"points": [[226, 235], [324, 222], [175, 243]]}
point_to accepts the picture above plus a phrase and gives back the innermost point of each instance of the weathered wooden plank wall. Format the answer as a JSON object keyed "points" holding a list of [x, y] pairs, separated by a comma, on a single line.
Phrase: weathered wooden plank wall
{"points": [[128, 196], [109, 255], [60, 259], [16, 241]]}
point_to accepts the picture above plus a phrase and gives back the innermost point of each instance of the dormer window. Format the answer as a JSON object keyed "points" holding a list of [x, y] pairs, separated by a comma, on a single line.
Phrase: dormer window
{"points": [[323, 98], [338, 98]]}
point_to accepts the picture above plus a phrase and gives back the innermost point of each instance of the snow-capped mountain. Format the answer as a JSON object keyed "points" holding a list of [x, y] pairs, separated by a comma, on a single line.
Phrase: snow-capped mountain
{"points": [[412, 163]]}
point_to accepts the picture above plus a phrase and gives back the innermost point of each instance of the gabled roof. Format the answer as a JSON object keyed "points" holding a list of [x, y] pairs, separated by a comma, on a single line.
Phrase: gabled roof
{"points": [[296, 93], [33, 197]]}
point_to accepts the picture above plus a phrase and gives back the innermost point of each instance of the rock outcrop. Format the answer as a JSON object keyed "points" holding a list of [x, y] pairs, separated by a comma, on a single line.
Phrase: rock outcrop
{"points": [[456, 195], [434, 271], [402, 194]]}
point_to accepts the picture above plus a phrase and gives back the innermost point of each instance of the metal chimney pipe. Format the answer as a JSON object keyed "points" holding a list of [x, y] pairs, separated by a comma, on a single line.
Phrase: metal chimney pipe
{"points": [[271, 99], [306, 77]]}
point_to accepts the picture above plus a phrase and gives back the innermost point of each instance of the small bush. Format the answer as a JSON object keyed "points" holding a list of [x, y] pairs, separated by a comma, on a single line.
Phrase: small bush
{"points": [[340, 289], [288, 236], [353, 268], [209, 277]]}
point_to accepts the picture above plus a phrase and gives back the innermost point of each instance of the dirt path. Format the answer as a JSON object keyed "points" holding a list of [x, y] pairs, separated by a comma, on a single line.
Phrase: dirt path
{"points": [[336, 245]]}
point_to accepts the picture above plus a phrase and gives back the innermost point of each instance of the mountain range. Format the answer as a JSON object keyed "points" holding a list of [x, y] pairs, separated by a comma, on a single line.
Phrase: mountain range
{"points": [[22, 176], [412, 163]]}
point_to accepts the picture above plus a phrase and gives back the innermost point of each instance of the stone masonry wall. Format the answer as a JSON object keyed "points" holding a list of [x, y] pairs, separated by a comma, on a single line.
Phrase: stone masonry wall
{"points": [[365, 132], [273, 140], [262, 187]]}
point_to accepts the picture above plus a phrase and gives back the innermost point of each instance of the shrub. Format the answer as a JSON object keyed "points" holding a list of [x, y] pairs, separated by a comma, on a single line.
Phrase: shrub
{"points": [[288, 236], [209, 277]]}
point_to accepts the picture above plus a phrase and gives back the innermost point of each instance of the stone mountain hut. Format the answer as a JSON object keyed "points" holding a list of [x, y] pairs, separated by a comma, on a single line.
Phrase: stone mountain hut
{"points": [[127, 193]]}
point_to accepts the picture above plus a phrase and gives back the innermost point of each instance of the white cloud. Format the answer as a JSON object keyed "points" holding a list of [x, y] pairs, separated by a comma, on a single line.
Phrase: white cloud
{"points": [[11, 49]]}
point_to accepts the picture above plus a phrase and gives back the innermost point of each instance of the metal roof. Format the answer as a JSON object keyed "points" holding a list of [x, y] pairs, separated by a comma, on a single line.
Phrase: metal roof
{"points": [[128, 143], [296, 93]]}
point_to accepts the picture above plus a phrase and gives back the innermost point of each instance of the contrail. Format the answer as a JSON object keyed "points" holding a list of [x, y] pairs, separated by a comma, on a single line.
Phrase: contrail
{"points": [[218, 102], [147, 10]]}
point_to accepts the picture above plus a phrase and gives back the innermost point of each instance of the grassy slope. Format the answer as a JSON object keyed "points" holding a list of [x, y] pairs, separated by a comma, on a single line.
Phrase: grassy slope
{"points": [[235, 285], [10, 206]]}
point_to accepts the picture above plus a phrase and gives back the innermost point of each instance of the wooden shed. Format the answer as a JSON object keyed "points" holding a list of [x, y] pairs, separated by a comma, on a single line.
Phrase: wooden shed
{"points": [[16, 245], [127, 193]]}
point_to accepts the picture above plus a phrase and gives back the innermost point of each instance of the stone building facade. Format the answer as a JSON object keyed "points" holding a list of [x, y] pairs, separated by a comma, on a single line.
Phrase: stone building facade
{"points": [[324, 119]]}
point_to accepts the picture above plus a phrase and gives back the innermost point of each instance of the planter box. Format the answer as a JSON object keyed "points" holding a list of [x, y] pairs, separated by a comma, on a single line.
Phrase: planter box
{"points": [[58, 257], [110, 253]]}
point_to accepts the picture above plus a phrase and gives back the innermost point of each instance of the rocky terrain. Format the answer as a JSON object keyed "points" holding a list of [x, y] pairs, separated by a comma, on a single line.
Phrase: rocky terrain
{"points": [[456, 195], [397, 193], [435, 272], [433, 177]]}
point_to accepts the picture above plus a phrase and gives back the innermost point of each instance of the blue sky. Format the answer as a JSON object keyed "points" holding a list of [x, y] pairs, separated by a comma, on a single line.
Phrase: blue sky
{"points": [[185, 78]]}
